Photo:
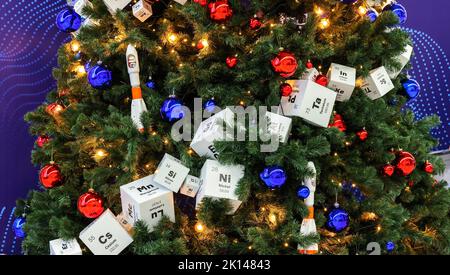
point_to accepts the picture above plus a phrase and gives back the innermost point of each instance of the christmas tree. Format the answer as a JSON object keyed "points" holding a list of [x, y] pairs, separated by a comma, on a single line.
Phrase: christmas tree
{"points": [[339, 168]]}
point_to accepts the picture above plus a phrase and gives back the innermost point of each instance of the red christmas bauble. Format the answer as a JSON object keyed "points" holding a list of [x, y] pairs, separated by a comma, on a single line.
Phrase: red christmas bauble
{"points": [[428, 167], [405, 163], [54, 108], [200, 45], [388, 170], [90, 204], [309, 65], [286, 89], [338, 122], [285, 64], [255, 24], [201, 2], [42, 140], [322, 80], [363, 134], [231, 61], [220, 10], [50, 176]]}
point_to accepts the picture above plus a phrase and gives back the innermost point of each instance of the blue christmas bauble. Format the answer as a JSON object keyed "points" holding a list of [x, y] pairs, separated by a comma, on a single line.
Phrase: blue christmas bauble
{"points": [[337, 220], [151, 84], [348, 1], [172, 109], [210, 105], [372, 14], [411, 88], [100, 77], [68, 20], [273, 176], [390, 246], [303, 192], [18, 224], [399, 10], [78, 56]]}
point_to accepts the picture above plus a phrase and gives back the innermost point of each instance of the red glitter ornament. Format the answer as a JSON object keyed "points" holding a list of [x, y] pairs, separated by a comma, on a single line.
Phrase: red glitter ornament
{"points": [[286, 89], [405, 163], [50, 176], [255, 24], [90, 204], [388, 170], [285, 64], [42, 140], [54, 108], [231, 61], [309, 65], [363, 134], [338, 122], [322, 80], [201, 2], [428, 167], [220, 10]]}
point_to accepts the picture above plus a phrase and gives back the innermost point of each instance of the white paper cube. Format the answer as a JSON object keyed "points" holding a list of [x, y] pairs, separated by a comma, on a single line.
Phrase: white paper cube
{"points": [[105, 235], [310, 101], [142, 10], [182, 2], [65, 247], [279, 125], [114, 5], [310, 74], [212, 130], [342, 80], [403, 59], [190, 186], [377, 84], [147, 201], [171, 173], [220, 182]]}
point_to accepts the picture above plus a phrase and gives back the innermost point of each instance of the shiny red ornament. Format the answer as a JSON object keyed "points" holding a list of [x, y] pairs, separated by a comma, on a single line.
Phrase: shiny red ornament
{"points": [[200, 45], [363, 134], [285, 64], [50, 176], [54, 108], [388, 170], [286, 89], [405, 163], [309, 65], [338, 122], [201, 2], [322, 80], [42, 140], [90, 204], [255, 24], [428, 167], [220, 11], [231, 61]]}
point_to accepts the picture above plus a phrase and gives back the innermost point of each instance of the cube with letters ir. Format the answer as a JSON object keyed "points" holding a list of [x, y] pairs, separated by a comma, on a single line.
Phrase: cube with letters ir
{"points": [[220, 182], [146, 200], [65, 247]]}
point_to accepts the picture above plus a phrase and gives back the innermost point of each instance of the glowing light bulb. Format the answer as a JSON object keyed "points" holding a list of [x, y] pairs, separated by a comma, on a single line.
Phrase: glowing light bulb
{"points": [[172, 38], [272, 218], [80, 70], [324, 23], [362, 10], [204, 43], [75, 46], [199, 228]]}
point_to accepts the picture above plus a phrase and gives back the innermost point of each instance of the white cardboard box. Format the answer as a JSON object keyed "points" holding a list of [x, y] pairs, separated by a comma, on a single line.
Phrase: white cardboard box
{"points": [[403, 59], [279, 125], [377, 84], [114, 5], [220, 182], [105, 235], [310, 74], [146, 200], [190, 186], [182, 2], [142, 10], [65, 247], [171, 173], [342, 79]]}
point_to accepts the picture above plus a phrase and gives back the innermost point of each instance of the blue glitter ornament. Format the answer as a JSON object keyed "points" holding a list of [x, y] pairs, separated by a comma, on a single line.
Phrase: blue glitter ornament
{"points": [[303, 192], [210, 105], [18, 224], [337, 220], [390, 246], [100, 77], [151, 84], [372, 14], [411, 88], [172, 109], [273, 176], [68, 20], [399, 10]]}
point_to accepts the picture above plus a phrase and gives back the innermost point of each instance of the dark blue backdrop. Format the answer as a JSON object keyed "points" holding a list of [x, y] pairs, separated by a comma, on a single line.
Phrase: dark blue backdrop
{"points": [[29, 41]]}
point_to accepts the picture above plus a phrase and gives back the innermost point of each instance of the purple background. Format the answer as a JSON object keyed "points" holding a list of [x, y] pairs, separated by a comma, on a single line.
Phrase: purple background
{"points": [[28, 44]]}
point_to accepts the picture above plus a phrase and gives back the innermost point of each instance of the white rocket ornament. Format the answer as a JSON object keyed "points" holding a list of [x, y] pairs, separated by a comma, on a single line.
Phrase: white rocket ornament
{"points": [[137, 104], [309, 224]]}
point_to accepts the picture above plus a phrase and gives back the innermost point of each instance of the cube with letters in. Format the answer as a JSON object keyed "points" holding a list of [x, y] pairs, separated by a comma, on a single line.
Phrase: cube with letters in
{"points": [[105, 235], [342, 80], [279, 125], [65, 247], [114, 5], [403, 59], [171, 173], [310, 101], [142, 10], [190, 186], [146, 200], [377, 84], [220, 182]]}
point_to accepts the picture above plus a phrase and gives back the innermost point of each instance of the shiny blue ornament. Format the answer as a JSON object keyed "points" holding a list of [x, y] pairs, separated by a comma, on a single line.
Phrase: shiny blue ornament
{"points": [[337, 220], [77, 56], [172, 109], [372, 14], [99, 77], [303, 192], [399, 10], [18, 224], [411, 88], [390, 246], [68, 20], [273, 176], [151, 84], [210, 105]]}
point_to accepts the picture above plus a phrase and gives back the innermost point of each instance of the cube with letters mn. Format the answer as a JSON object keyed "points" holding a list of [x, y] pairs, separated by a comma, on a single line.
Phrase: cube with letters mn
{"points": [[65, 247], [146, 200], [377, 84], [342, 80], [170, 173], [105, 235], [219, 182], [403, 59], [310, 101], [142, 10], [211, 130]]}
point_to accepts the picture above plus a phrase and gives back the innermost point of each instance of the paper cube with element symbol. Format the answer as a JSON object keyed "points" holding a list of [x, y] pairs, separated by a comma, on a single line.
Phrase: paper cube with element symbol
{"points": [[310, 74], [171, 173], [65, 247], [342, 80], [190, 186], [403, 59], [114, 5], [220, 182], [78, 7], [142, 10], [310, 101], [182, 2], [377, 84], [147, 201], [279, 125], [105, 235]]}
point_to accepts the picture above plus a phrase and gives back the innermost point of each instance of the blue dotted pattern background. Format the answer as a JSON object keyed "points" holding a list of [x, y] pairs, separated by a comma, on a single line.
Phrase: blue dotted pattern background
{"points": [[28, 44]]}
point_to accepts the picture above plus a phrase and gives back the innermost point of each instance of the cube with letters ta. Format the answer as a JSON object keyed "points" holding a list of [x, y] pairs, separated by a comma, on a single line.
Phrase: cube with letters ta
{"points": [[190, 186], [105, 235], [310, 101], [220, 182], [342, 80], [114, 5], [403, 59], [171, 173], [279, 125], [146, 200], [65, 247], [377, 84], [142, 10], [210, 130]]}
